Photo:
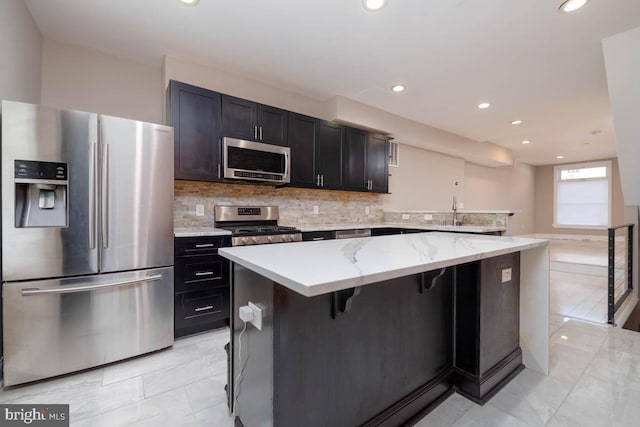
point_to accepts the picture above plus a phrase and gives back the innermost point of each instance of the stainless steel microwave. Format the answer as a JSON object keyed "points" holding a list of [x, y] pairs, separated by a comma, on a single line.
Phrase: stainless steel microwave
{"points": [[255, 161]]}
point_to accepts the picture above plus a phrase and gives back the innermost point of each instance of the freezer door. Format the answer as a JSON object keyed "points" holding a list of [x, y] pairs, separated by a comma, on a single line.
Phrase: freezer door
{"points": [[53, 327], [48, 231], [136, 214]]}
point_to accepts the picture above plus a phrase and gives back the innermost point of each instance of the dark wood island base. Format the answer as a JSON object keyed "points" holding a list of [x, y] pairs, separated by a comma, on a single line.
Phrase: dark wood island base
{"points": [[384, 354]]}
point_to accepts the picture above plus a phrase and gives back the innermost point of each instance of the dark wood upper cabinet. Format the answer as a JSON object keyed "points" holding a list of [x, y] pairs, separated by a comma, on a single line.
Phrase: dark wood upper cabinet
{"points": [[239, 118], [329, 155], [366, 161], [302, 141], [195, 114], [356, 159], [272, 125], [378, 163], [256, 122]]}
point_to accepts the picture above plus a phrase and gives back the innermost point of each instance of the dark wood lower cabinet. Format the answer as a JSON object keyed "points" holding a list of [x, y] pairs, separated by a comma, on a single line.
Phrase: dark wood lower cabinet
{"points": [[488, 350], [384, 354], [201, 285]]}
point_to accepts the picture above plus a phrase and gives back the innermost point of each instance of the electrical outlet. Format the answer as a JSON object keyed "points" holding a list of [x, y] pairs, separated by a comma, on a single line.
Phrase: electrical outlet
{"points": [[506, 275], [428, 217], [406, 216], [316, 209], [460, 205], [257, 315], [199, 210], [367, 211]]}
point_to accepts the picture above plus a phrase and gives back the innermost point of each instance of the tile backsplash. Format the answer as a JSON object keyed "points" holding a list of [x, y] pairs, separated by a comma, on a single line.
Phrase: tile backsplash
{"points": [[497, 219], [296, 204]]}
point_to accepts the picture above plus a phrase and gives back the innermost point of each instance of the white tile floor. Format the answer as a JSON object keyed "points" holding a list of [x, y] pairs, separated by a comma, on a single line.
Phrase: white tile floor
{"points": [[594, 381], [594, 378]]}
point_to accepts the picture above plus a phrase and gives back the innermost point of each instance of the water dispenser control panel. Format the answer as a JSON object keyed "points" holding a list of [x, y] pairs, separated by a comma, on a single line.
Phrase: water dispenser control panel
{"points": [[28, 169]]}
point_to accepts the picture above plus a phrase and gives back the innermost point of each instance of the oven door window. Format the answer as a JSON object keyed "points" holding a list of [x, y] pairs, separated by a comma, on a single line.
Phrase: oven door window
{"points": [[255, 160]]}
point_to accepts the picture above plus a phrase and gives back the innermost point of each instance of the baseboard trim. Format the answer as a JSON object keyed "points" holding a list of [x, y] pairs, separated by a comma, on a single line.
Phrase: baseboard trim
{"points": [[588, 237], [414, 406], [481, 389]]}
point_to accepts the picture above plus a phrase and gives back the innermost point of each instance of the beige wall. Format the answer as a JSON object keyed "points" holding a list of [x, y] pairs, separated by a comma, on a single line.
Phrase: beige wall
{"points": [[84, 79], [504, 188], [622, 60], [21, 47], [425, 181], [544, 203]]}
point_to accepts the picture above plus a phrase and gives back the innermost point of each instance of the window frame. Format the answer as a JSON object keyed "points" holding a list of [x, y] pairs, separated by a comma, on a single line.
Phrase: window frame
{"points": [[556, 179]]}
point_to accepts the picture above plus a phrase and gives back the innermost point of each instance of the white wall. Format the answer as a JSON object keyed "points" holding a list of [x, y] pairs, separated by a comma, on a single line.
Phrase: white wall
{"points": [[84, 79], [622, 61], [21, 47]]}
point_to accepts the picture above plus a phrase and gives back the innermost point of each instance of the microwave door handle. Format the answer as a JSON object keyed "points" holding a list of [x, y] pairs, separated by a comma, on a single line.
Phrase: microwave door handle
{"points": [[286, 164]]}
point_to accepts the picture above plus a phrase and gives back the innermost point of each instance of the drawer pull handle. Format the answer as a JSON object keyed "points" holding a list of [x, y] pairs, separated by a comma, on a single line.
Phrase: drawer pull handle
{"points": [[205, 245], [318, 238], [204, 273], [206, 307]]}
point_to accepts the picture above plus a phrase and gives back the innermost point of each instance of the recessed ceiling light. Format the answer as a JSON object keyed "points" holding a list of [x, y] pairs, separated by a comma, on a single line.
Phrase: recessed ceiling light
{"points": [[397, 88], [484, 105], [572, 5], [516, 122], [374, 5], [189, 2], [559, 157], [526, 141]]}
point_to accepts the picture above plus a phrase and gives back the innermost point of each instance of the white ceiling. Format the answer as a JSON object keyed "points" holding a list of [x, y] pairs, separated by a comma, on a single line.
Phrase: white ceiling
{"points": [[523, 56]]}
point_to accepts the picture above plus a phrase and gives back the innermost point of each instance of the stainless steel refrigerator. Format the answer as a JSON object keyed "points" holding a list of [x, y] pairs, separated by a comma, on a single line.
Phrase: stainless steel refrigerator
{"points": [[87, 240]]}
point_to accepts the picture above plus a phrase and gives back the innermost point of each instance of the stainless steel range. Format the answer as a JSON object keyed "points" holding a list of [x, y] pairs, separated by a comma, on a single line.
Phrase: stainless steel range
{"points": [[254, 225]]}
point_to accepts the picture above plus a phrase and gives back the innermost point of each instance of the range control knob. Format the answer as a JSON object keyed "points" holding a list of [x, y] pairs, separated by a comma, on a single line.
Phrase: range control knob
{"points": [[270, 239], [244, 241], [254, 240], [286, 238]]}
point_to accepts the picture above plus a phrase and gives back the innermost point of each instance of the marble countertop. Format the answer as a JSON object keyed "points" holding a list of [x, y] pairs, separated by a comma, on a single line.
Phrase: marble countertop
{"points": [[200, 231], [426, 227], [320, 267]]}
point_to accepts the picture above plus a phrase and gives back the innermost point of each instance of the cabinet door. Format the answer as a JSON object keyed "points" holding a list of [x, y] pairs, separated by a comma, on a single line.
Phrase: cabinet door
{"points": [[272, 125], [355, 176], [302, 141], [239, 118], [329, 153], [378, 163], [195, 114]]}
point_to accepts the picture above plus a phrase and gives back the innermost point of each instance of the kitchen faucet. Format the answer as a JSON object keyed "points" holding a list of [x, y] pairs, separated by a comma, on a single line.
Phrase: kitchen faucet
{"points": [[454, 208]]}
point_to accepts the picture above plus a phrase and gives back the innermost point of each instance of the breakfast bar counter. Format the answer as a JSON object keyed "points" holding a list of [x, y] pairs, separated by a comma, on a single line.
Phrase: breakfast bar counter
{"points": [[380, 330]]}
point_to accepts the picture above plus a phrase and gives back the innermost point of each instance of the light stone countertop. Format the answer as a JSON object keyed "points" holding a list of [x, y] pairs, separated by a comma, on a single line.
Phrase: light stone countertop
{"points": [[320, 267], [426, 227], [200, 231]]}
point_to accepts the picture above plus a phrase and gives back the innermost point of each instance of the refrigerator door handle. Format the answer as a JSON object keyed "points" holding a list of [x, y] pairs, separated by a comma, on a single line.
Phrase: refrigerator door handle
{"points": [[93, 164], [72, 289], [105, 196]]}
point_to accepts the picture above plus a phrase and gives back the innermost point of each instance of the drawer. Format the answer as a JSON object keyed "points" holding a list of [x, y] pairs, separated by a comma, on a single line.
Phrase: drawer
{"points": [[200, 245], [201, 272], [201, 307]]}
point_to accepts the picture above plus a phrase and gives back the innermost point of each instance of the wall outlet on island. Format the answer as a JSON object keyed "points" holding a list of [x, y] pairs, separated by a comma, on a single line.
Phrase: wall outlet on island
{"points": [[316, 209], [199, 210]]}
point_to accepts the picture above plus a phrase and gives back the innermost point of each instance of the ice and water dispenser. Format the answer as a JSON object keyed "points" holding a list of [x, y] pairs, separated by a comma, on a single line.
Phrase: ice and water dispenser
{"points": [[41, 194]]}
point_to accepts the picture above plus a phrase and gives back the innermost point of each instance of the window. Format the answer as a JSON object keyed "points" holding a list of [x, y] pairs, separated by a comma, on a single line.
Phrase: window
{"points": [[394, 154], [582, 195]]}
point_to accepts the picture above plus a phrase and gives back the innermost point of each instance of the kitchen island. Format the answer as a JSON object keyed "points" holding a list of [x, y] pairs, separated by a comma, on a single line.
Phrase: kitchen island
{"points": [[380, 330]]}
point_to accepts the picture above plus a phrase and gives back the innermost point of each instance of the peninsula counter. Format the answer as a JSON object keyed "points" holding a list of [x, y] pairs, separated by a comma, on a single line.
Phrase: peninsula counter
{"points": [[379, 330]]}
